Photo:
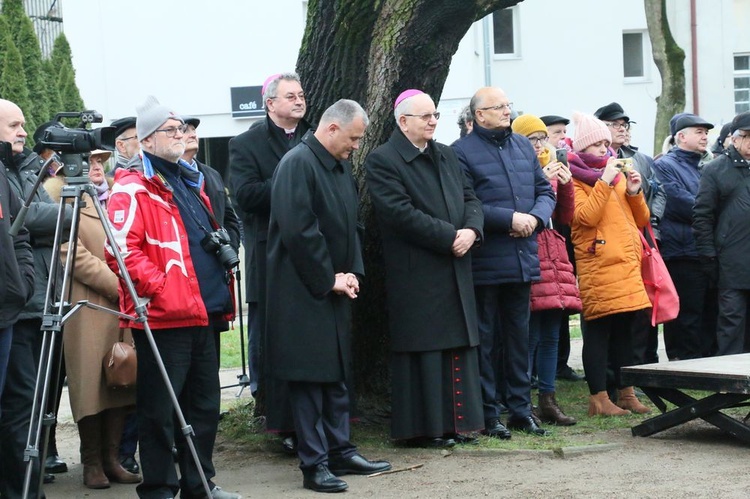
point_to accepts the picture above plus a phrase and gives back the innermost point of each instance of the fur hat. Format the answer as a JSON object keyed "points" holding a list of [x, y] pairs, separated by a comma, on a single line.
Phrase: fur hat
{"points": [[152, 115], [588, 130], [526, 124]]}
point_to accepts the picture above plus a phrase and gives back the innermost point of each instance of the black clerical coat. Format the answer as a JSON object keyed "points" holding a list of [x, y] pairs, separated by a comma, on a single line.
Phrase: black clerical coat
{"points": [[421, 200], [312, 236], [253, 156]]}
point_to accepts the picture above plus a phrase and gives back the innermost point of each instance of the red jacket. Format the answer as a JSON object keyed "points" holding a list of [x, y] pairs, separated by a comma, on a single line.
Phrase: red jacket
{"points": [[153, 242], [557, 289]]}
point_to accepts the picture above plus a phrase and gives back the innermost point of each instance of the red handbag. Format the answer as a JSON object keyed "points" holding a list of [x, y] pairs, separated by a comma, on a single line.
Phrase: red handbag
{"points": [[659, 286]]}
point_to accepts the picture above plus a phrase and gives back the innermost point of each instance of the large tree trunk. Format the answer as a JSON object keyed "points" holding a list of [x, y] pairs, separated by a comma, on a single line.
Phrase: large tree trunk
{"points": [[669, 58], [370, 52]]}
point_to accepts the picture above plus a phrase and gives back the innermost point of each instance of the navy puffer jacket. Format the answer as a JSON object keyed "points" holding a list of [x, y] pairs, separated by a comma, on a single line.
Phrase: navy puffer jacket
{"points": [[679, 175], [507, 178]]}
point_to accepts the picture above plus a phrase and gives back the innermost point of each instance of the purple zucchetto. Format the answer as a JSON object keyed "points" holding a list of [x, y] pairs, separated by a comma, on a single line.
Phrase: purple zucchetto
{"points": [[268, 80], [405, 95]]}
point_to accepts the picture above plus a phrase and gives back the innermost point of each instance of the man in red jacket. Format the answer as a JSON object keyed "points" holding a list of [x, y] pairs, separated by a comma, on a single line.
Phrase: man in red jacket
{"points": [[166, 233]]}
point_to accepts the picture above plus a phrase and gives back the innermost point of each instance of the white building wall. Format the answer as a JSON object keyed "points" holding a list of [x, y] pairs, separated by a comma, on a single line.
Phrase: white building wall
{"points": [[570, 57]]}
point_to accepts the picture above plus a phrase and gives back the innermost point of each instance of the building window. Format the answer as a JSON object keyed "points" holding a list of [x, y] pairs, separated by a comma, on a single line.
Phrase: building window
{"points": [[633, 65], [741, 83], [505, 32]]}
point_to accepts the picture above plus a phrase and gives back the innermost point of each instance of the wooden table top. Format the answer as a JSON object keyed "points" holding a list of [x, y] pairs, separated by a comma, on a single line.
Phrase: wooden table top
{"points": [[728, 373]]}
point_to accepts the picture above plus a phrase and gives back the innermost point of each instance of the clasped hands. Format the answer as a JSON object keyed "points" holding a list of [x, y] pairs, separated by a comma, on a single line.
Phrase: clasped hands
{"points": [[346, 284], [523, 225], [463, 242]]}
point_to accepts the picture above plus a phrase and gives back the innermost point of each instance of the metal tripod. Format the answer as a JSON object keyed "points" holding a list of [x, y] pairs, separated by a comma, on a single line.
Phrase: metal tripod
{"points": [[57, 313]]}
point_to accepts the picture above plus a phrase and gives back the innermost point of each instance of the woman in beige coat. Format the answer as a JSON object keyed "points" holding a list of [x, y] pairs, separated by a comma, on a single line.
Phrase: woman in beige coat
{"points": [[98, 410]]}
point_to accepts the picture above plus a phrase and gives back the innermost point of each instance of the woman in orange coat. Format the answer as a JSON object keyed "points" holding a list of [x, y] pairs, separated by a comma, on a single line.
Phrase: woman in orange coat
{"points": [[610, 210]]}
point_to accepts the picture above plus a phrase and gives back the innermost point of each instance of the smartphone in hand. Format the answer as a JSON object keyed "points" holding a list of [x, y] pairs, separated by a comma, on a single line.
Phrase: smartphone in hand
{"points": [[562, 156]]}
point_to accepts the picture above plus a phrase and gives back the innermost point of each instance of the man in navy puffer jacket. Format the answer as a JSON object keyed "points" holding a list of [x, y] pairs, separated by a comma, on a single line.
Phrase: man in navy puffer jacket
{"points": [[517, 201], [693, 334]]}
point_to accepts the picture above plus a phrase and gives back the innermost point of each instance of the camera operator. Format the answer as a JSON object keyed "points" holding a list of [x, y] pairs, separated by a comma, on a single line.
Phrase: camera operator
{"points": [[220, 203], [177, 259], [17, 284], [22, 169]]}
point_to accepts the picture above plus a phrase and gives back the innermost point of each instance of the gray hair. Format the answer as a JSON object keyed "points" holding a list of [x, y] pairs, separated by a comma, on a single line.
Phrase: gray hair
{"points": [[273, 86], [343, 112], [404, 107], [465, 117]]}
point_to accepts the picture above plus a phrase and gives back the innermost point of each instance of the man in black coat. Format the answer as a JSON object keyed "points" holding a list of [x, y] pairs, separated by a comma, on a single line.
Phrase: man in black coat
{"points": [[722, 235], [429, 219], [314, 267], [253, 157], [16, 269], [22, 169], [220, 203]]}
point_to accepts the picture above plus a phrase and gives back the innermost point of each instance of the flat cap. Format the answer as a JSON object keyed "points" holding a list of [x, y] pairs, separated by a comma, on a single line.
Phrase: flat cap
{"points": [[123, 124], [684, 120], [741, 122], [552, 119], [611, 112]]}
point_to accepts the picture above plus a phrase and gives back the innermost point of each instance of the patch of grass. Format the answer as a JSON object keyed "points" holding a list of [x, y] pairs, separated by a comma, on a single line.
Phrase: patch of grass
{"points": [[231, 354], [372, 429]]}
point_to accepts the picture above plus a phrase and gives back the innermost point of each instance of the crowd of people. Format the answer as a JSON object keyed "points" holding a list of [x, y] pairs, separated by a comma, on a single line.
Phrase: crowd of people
{"points": [[490, 245]]}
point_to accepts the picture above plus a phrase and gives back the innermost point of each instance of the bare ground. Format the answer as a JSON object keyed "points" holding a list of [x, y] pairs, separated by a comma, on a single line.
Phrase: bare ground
{"points": [[695, 460]]}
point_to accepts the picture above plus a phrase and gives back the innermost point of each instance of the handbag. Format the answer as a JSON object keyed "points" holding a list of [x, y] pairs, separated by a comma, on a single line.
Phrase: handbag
{"points": [[120, 364], [661, 292]]}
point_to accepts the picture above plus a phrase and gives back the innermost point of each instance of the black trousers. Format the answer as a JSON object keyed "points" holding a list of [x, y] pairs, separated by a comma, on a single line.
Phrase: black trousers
{"points": [[17, 400], [609, 336], [509, 304], [693, 334], [732, 326], [189, 356], [321, 420]]}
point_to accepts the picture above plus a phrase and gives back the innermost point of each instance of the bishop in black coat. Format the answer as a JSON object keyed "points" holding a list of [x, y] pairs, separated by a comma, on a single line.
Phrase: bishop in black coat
{"points": [[421, 199]]}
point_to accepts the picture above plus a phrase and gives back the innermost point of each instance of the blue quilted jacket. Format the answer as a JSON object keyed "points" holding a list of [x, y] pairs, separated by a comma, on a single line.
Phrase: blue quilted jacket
{"points": [[507, 178]]}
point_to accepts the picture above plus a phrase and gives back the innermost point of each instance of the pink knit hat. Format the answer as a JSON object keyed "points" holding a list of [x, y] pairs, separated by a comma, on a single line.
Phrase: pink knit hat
{"points": [[588, 130]]}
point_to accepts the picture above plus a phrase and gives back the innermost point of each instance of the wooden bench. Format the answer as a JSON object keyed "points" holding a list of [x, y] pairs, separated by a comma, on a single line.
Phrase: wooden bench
{"points": [[727, 378]]}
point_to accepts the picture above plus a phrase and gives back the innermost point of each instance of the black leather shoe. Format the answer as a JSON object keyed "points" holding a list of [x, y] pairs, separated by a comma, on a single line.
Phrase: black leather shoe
{"points": [[431, 443], [495, 429], [320, 479], [49, 478], [527, 425], [461, 439], [357, 465], [53, 464], [130, 464], [567, 373], [289, 445]]}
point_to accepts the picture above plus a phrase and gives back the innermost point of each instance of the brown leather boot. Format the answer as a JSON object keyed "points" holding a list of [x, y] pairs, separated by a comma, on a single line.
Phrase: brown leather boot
{"points": [[600, 404], [114, 420], [627, 400], [90, 432], [550, 412]]}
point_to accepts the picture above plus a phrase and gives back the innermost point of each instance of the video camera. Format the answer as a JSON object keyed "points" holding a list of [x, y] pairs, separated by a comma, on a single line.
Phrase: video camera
{"points": [[71, 143]]}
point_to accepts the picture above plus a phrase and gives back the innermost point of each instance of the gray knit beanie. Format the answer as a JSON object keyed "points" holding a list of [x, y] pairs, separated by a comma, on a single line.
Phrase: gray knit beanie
{"points": [[152, 115]]}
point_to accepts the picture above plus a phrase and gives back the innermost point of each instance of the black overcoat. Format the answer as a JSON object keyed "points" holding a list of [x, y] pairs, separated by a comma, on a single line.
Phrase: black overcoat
{"points": [[421, 200], [312, 236], [253, 157]]}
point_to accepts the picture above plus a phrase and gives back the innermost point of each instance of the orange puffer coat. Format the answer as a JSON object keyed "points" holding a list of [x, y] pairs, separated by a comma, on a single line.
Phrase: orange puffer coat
{"points": [[608, 249]]}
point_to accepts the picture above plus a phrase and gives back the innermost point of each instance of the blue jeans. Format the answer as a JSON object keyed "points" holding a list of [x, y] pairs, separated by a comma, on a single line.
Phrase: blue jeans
{"points": [[544, 332]]}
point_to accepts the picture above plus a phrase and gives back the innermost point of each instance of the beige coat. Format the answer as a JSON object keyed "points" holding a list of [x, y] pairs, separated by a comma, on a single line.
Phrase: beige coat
{"points": [[89, 334]]}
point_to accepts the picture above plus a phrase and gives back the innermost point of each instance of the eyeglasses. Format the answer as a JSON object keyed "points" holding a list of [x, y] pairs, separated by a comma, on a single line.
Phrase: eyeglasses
{"points": [[499, 107], [618, 126], [425, 117], [538, 140], [172, 130], [291, 97], [128, 138]]}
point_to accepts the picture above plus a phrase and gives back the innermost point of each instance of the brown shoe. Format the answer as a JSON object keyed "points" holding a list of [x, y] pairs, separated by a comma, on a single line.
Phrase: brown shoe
{"points": [[600, 404], [550, 412], [113, 422], [627, 400], [89, 430]]}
